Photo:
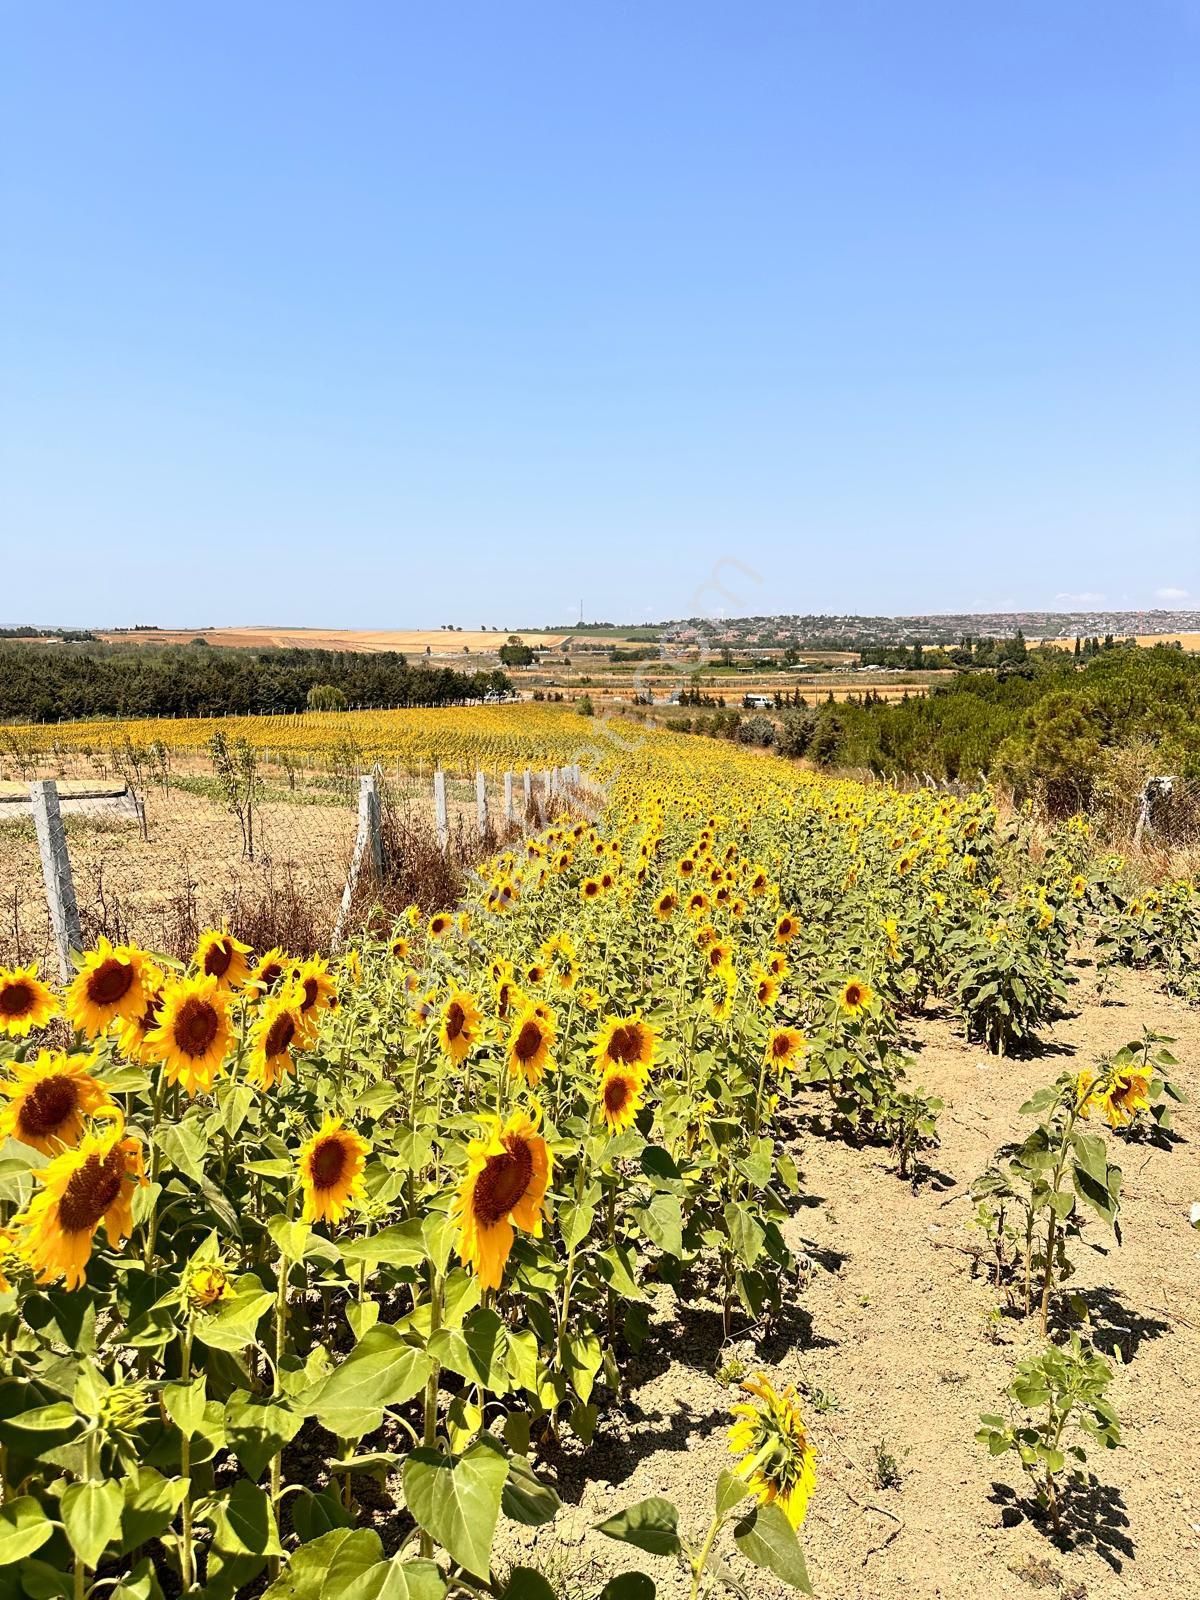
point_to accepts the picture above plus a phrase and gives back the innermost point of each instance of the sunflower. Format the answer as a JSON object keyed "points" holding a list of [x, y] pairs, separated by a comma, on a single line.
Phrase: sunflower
{"points": [[777, 964], [81, 1188], [48, 1100], [766, 987], [625, 1042], [460, 1023], [559, 954], [508, 1173], [1121, 1095], [666, 905], [786, 928], [855, 996], [620, 1095], [778, 1458], [206, 1284], [331, 1171], [131, 1033], [279, 1031], [108, 986], [268, 974], [439, 925], [783, 1046], [25, 1001], [507, 997], [192, 1033], [319, 991], [718, 957], [759, 881], [219, 955], [530, 1043], [697, 903], [401, 948], [588, 998], [590, 889]]}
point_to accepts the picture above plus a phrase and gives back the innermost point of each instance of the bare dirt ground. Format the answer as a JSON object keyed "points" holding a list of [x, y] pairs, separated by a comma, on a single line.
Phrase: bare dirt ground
{"points": [[893, 1343]]}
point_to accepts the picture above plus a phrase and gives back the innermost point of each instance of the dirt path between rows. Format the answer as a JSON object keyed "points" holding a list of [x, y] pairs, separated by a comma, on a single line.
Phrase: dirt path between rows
{"points": [[894, 1338]]}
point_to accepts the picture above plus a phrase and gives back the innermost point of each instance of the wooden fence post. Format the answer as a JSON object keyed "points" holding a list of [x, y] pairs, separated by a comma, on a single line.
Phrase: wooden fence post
{"points": [[56, 873], [510, 814], [481, 809], [439, 808], [368, 850]]}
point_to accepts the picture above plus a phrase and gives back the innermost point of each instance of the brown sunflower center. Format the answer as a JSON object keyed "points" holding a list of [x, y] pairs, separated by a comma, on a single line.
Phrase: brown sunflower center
{"points": [[853, 994], [269, 974], [16, 999], [780, 1045], [617, 1094], [217, 959], [327, 1163], [456, 1020], [626, 1043], [90, 1191], [110, 982], [280, 1035], [529, 1041], [48, 1105], [311, 989], [503, 1181], [195, 1026]]}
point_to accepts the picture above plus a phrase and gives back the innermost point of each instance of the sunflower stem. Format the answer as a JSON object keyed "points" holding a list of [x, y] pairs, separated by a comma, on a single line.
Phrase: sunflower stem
{"points": [[432, 1384], [281, 1311], [187, 1568], [700, 1561]]}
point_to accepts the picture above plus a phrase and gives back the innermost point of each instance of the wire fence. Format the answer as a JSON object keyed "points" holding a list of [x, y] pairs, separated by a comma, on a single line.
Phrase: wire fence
{"points": [[157, 864]]}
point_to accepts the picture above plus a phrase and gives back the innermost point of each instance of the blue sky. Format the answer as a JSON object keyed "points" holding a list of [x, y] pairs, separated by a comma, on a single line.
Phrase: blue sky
{"points": [[392, 315]]}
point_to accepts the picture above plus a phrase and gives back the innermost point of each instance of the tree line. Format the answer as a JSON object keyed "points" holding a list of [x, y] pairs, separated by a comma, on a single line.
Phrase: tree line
{"points": [[50, 684]]}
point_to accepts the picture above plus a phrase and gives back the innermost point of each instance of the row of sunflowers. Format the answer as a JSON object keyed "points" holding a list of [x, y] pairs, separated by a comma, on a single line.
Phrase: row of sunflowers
{"points": [[276, 1229]]}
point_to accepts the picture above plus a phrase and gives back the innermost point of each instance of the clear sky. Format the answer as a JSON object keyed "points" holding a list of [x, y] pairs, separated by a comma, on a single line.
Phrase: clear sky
{"points": [[397, 314]]}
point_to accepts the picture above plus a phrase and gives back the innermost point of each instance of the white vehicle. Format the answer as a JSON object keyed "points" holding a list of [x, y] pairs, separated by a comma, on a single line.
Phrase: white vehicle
{"points": [[757, 702]]}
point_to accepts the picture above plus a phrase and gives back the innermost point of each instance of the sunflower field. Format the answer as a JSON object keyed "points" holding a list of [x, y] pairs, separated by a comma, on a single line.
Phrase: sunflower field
{"points": [[282, 1239], [462, 740]]}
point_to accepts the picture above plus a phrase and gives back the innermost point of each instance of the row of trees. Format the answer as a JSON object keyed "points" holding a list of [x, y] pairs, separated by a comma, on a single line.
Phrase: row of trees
{"points": [[41, 684]]}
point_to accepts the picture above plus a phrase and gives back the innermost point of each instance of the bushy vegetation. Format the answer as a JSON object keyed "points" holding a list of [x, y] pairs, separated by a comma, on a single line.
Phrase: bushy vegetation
{"points": [[47, 685]]}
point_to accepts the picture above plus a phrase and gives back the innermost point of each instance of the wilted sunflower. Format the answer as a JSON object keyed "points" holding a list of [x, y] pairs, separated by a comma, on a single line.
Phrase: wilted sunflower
{"points": [[192, 1033], [855, 996], [78, 1190], [1120, 1095], [280, 1029], [530, 1043], [624, 1042], [219, 955], [620, 1095], [25, 1001], [778, 1458], [459, 1026], [48, 1100], [505, 1185], [107, 987], [783, 1046], [331, 1171], [205, 1284]]}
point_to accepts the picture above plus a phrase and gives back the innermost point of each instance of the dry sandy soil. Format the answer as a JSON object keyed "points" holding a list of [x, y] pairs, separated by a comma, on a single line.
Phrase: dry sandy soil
{"points": [[894, 1331], [411, 640]]}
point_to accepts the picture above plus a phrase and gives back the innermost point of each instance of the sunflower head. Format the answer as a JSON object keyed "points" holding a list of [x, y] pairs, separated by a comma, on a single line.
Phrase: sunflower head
{"points": [[625, 1042], [205, 1285], [25, 1001], [620, 1095], [855, 996], [48, 1099], [331, 1171], [459, 1027], [219, 955], [109, 986], [784, 1046], [192, 1034], [530, 1043], [778, 1460], [79, 1189], [505, 1186]]}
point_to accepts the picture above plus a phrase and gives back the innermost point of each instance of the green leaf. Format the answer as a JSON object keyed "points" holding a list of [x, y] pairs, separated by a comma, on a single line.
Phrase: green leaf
{"points": [[243, 1522], [400, 1246], [745, 1235], [314, 1515], [24, 1528], [526, 1499], [91, 1514], [257, 1430], [233, 1325], [650, 1525], [151, 1502], [629, 1586], [346, 1551], [585, 1355], [184, 1403], [382, 1370], [767, 1538], [524, 1583], [290, 1238], [662, 1223], [140, 1584], [458, 1502], [731, 1491], [618, 1265]]}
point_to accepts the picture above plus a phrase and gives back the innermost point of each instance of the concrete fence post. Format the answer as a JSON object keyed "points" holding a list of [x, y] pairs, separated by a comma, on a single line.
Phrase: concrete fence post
{"points": [[368, 850], [481, 809], [528, 790], [510, 814], [56, 873], [441, 819]]}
